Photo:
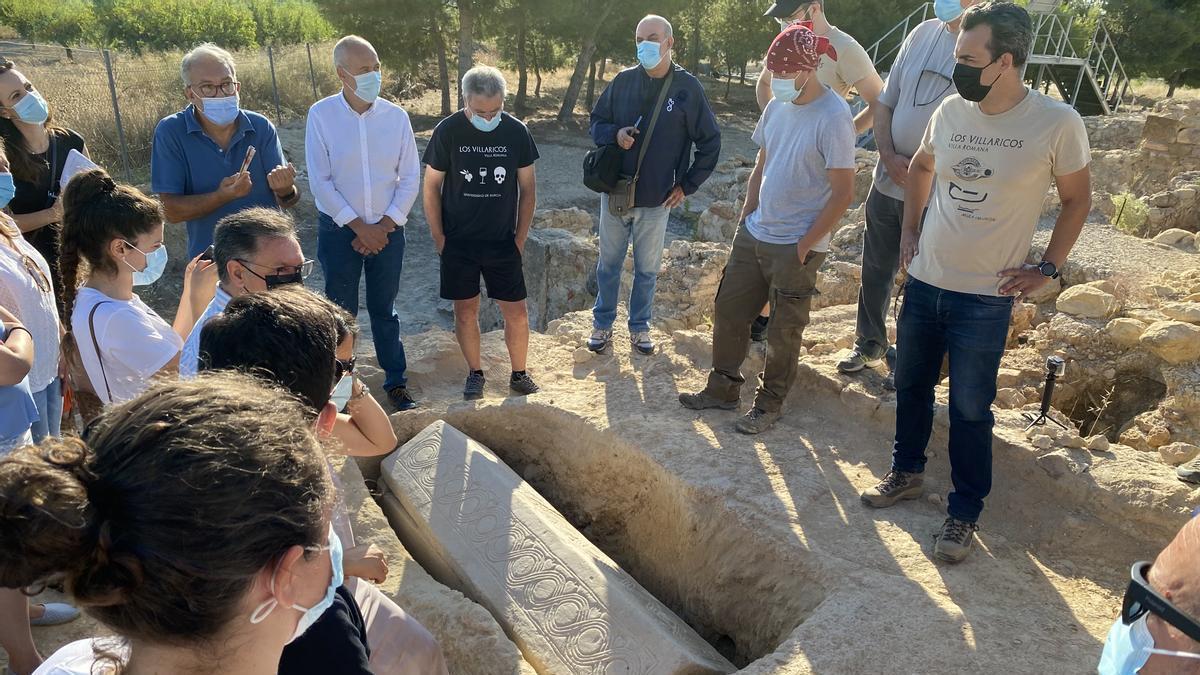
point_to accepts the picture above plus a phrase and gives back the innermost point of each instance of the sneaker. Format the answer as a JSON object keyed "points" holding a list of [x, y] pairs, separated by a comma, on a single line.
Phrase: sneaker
{"points": [[896, 485], [856, 361], [889, 382], [756, 421], [1189, 472], [599, 340], [523, 384], [704, 400], [473, 389], [400, 399], [55, 613], [641, 342], [954, 541], [758, 329]]}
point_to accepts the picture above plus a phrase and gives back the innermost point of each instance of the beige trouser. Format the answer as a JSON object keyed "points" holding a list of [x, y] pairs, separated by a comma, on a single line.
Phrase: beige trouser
{"points": [[399, 644], [755, 273]]}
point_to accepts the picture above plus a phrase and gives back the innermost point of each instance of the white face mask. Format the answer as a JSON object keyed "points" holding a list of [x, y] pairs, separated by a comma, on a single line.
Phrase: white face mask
{"points": [[310, 614], [1127, 648]]}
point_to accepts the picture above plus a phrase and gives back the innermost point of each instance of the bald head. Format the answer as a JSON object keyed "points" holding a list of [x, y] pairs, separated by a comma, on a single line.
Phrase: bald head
{"points": [[1174, 576], [654, 24], [351, 50]]}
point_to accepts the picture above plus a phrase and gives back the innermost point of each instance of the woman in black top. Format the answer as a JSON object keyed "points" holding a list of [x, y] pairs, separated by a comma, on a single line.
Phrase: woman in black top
{"points": [[37, 151]]}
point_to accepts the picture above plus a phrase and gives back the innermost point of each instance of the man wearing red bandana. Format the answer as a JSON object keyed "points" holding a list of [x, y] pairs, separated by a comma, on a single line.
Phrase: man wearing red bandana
{"points": [[801, 185]]}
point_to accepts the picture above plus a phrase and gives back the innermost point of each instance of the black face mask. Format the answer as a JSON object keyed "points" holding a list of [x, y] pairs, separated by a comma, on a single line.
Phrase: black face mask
{"points": [[967, 81]]}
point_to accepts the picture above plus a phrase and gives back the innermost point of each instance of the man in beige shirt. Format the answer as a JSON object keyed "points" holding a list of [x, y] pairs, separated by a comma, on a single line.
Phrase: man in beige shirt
{"points": [[995, 148]]}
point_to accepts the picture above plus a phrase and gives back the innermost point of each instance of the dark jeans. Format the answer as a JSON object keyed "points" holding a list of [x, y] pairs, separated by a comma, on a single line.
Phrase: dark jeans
{"points": [[343, 266], [880, 262], [973, 329]]}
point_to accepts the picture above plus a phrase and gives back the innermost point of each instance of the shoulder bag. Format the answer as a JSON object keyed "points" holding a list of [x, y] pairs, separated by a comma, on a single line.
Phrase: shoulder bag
{"points": [[621, 199]]}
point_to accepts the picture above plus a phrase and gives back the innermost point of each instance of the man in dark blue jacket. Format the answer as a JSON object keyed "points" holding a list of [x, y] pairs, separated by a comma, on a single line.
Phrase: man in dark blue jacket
{"points": [[668, 174]]}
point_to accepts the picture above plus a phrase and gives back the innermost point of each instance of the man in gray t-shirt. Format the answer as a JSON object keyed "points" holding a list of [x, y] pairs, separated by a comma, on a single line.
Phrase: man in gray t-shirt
{"points": [[920, 79], [799, 189]]}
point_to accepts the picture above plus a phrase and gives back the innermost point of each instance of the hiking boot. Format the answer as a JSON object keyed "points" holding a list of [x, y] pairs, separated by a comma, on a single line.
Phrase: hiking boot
{"points": [[400, 399], [599, 340], [856, 361], [896, 485], [889, 382], [1189, 472], [473, 389], [704, 400], [642, 343], [758, 329], [954, 541], [756, 421], [522, 384]]}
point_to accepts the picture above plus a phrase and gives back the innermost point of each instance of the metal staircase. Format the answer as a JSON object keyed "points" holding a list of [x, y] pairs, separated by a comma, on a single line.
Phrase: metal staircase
{"points": [[1085, 70]]}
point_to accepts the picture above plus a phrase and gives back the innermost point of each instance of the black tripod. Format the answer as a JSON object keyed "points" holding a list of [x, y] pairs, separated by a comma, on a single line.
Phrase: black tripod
{"points": [[1055, 367]]}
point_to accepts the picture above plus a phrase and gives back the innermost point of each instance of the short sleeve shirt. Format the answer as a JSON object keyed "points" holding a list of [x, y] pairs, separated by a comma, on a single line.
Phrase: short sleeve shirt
{"points": [[852, 64], [135, 343], [992, 175], [480, 194], [40, 193], [802, 142], [185, 161]]}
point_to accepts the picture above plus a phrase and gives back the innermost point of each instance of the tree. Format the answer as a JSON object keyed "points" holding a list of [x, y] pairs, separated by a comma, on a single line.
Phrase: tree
{"points": [[739, 35], [63, 22], [1139, 28], [285, 22]]}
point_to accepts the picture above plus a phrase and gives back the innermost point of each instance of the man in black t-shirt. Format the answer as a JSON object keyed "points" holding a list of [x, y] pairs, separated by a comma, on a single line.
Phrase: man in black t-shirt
{"points": [[480, 192]]}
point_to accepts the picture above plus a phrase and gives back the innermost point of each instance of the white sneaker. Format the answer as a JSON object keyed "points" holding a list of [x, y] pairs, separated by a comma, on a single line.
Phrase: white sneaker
{"points": [[641, 342], [599, 340]]}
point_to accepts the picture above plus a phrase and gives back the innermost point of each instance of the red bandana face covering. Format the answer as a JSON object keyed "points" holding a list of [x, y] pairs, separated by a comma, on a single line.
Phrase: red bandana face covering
{"points": [[797, 49]]}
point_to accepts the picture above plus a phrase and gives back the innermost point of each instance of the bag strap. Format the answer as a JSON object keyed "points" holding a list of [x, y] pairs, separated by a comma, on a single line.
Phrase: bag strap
{"points": [[662, 96], [96, 346]]}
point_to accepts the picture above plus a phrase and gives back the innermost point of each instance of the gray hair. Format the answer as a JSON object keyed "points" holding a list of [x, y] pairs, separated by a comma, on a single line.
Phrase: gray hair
{"points": [[483, 81], [237, 236], [668, 30], [1012, 29], [205, 50], [343, 45]]}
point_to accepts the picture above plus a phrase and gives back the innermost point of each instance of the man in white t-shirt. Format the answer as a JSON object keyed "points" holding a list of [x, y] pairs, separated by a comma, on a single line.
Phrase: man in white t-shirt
{"points": [[995, 148], [254, 250], [799, 189], [920, 79]]}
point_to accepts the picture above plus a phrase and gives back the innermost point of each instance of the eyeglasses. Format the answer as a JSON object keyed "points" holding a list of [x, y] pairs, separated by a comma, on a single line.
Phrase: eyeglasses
{"points": [[346, 367], [211, 90], [288, 274], [1141, 598], [35, 271]]}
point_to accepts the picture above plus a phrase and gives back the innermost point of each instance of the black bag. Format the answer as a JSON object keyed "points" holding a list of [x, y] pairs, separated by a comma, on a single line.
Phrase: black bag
{"points": [[602, 168]]}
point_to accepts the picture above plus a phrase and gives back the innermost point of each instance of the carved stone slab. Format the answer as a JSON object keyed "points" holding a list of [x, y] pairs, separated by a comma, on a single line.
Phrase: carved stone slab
{"points": [[475, 525]]}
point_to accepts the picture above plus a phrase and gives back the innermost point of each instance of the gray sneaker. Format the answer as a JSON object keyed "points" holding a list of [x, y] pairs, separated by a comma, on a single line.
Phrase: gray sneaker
{"points": [[473, 389], [954, 541], [523, 384], [642, 343], [856, 361], [599, 340], [896, 485], [756, 421], [1189, 472], [703, 401]]}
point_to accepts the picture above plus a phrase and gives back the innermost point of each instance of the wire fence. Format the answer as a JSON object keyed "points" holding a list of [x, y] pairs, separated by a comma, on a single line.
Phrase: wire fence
{"points": [[115, 100]]}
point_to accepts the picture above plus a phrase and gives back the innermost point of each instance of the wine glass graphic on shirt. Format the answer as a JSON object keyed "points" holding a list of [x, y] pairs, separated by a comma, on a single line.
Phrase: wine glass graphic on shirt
{"points": [[483, 172]]}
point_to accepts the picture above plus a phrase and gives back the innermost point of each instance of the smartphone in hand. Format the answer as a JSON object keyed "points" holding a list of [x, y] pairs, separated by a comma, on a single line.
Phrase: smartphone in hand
{"points": [[208, 253]]}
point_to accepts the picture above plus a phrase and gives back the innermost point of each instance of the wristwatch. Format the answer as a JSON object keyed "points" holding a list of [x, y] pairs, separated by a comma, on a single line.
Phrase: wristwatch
{"points": [[1048, 269]]}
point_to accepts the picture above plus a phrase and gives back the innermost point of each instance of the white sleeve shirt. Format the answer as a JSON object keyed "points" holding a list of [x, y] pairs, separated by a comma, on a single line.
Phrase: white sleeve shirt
{"points": [[361, 166]]}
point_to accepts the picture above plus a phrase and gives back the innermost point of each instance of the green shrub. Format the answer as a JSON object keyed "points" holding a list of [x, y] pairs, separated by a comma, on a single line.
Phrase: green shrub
{"points": [[1130, 214]]}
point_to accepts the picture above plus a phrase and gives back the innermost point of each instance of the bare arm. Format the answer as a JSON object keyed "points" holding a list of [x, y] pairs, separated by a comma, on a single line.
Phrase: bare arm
{"points": [[753, 185], [28, 222], [431, 194], [199, 287], [869, 88], [841, 183], [1075, 193], [895, 164], [762, 88], [16, 351], [916, 196], [366, 431], [527, 180], [180, 208]]}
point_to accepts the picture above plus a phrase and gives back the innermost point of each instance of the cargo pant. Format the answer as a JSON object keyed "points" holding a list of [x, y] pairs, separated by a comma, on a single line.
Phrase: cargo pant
{"points": [[755, 273]]}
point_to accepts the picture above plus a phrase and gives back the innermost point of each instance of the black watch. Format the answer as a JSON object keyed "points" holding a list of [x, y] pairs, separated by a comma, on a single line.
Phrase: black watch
{"points": [[1048, 269]]}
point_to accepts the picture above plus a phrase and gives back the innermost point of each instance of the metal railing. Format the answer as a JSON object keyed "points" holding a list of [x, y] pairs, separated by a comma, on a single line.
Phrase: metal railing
{"points": [[891, 41], [1052, 38], [1107, 69]]}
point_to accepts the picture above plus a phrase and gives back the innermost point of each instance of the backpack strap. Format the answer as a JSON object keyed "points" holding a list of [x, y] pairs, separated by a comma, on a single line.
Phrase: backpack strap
{"points": [[96, 346], [662, 96]]}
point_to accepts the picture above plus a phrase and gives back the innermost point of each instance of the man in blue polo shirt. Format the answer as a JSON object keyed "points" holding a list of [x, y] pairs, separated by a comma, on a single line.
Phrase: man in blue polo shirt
{"points": [[196, 164]]}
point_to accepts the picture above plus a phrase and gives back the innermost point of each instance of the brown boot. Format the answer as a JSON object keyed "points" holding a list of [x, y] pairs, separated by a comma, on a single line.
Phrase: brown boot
{"points": [[896, 485]]}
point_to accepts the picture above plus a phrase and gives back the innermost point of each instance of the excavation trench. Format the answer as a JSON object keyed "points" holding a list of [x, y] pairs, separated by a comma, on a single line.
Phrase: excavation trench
{"points": [[735, 588]]}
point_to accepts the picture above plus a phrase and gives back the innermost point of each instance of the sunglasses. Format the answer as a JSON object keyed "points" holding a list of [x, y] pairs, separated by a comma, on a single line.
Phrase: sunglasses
{"points": [[35, 271], [296, 276], [1141, 598]]}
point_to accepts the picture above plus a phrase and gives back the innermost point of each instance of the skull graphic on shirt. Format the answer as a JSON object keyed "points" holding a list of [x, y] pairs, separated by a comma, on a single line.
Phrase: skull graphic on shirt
{"points": [[500, 173]]}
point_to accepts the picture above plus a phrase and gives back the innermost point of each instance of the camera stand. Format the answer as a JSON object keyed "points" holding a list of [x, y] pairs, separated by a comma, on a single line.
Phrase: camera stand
{"points": [[1053, 369]]}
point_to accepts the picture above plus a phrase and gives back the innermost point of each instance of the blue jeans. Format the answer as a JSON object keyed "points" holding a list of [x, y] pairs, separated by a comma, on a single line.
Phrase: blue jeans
{"points": [[343, 266], [973, 329], [647, 227], [49, 404]]}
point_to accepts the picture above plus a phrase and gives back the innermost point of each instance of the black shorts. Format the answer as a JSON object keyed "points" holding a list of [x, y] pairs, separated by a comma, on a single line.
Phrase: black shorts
{"points": [[499, 262]]}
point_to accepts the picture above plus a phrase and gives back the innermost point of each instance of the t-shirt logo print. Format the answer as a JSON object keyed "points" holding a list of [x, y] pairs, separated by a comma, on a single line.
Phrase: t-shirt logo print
{"points": [[499, 174], [971, 169]]}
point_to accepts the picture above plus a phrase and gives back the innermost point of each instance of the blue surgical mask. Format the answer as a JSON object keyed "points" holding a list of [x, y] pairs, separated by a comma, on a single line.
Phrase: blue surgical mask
{"points": [[222, 110], [32, 108], [7, 189], [311, 614], [947, 10], [367, 85], [649, 54], [341, 393], [1127, 648], [486, 126], [156, 262], [785, 90]]}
